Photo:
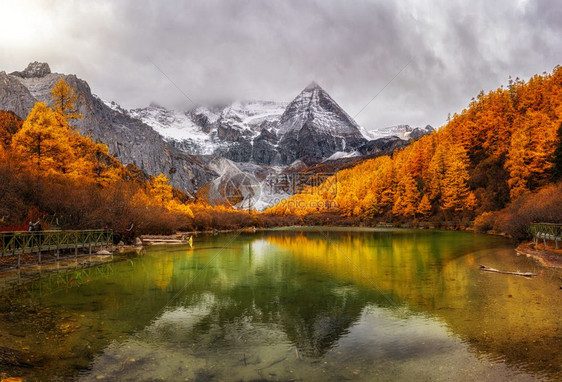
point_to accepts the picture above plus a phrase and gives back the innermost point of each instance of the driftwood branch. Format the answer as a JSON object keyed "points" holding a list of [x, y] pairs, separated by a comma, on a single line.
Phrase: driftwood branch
{"points": [[524, 274]]}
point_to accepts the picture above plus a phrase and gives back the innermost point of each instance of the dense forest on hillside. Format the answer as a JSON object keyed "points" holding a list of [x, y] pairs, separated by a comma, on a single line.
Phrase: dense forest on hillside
{"points": [[504, 150], [51, 172], [498, 163]]}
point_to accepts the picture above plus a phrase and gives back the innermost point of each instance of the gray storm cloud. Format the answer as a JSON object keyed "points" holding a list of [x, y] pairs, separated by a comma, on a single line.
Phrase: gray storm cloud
{"points": [[217, 51]]}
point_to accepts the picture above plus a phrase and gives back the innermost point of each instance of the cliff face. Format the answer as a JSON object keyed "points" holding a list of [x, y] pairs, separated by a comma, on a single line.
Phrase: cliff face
{"points": [[14, 96], [130, 140], [312, 127], [261, 137]]}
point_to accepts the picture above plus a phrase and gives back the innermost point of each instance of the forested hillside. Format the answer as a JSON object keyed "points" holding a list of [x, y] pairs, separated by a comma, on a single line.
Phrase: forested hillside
{"points": [[502, 149], [502, 153], [51, 172]]}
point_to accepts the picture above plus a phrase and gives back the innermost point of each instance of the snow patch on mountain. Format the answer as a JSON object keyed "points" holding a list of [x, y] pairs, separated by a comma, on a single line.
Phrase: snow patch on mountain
{"points": [[177, 126], [252, 114], [112, 105], [212, 115], [401, 131], [343, 155]]}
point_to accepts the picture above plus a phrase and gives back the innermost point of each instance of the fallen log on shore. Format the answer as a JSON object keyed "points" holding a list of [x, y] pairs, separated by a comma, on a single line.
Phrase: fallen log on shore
{"points": [[523, 274]]}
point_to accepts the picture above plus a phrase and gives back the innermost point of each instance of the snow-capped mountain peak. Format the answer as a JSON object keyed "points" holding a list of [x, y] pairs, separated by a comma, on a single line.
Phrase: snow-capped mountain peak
{"points": [[252, 114], [314, 104], [176, 126], [312, 127]]}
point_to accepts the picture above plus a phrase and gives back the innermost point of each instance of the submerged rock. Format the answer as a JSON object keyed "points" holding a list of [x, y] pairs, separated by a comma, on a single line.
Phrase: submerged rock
{"points": [[12, 357]]}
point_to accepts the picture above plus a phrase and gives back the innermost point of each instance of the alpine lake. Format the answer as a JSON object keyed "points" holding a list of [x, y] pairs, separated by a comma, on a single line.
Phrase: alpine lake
{"points": [[295, 304]]}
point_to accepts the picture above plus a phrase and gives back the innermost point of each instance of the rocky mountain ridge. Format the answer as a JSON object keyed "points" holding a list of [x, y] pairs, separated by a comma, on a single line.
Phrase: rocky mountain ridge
{"points": [[130, 140], [405, 132], [312, 127], [260, 138]]}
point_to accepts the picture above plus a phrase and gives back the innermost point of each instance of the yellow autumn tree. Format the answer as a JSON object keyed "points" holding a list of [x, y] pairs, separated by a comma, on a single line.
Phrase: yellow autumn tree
{"points": [[105, 169], [94, 162], [162, 193], [455, 189], [43, 140], [64, 100], [371, 206], [496, 122], [424, 208], [10, 123], [406, 197], [532, 146], [436, 172], [161, 190]]}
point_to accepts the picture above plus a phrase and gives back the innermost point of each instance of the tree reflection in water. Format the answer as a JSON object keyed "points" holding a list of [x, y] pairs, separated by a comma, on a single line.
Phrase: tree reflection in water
{"points": [[295, 304]]}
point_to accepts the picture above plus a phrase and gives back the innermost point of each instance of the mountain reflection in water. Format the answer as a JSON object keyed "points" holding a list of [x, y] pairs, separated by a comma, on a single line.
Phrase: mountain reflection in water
{"points": [[307, 305]]}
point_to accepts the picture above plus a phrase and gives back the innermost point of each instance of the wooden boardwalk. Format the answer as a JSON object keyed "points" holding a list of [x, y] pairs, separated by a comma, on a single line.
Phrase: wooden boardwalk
{"points": [[18, 243], [546, 231]]}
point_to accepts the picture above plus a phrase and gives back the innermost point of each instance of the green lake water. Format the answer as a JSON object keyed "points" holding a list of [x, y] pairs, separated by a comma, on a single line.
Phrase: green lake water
{"points": [[300, 305]]}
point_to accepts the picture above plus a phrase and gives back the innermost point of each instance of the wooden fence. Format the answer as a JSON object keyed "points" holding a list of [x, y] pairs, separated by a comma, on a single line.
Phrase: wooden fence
{"points": [[18, 243], [546, 231]]}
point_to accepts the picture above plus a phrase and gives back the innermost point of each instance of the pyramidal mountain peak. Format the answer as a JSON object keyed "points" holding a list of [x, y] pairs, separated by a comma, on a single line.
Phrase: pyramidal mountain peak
{"points": [[314, 126], [254, 135], [314, 103], [311, 86]]}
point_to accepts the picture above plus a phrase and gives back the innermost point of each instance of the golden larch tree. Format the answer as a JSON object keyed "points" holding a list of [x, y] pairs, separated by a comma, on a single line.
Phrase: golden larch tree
{"points": [[406, 197], [94, 162], [531, 148], [10, 124], [424, 208], [64, 100], [43, 140], [436, 172], [455, 189], [160, 189]]}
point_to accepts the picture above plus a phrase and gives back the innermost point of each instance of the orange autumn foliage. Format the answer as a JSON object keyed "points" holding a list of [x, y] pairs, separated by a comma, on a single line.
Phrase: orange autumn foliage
{"points": [[64, 100], [500, 148], [10, 124], [44, 157]]}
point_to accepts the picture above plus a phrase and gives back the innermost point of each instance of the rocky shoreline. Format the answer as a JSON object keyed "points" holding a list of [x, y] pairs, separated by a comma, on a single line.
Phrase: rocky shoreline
{"points": [[548, 257]]}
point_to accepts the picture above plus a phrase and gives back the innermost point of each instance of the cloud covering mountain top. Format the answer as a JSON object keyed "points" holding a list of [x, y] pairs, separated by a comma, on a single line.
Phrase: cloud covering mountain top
{"points": [[135, 52]]}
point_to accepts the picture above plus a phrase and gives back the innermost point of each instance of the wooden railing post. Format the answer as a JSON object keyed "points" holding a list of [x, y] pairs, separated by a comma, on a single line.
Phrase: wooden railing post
{"points": [[58, 243], [546, 231], [18, 243], [557, 235]]}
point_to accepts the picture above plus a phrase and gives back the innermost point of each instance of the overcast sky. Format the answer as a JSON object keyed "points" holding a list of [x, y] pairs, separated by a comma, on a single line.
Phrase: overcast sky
{"points": [[216, 51]]}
